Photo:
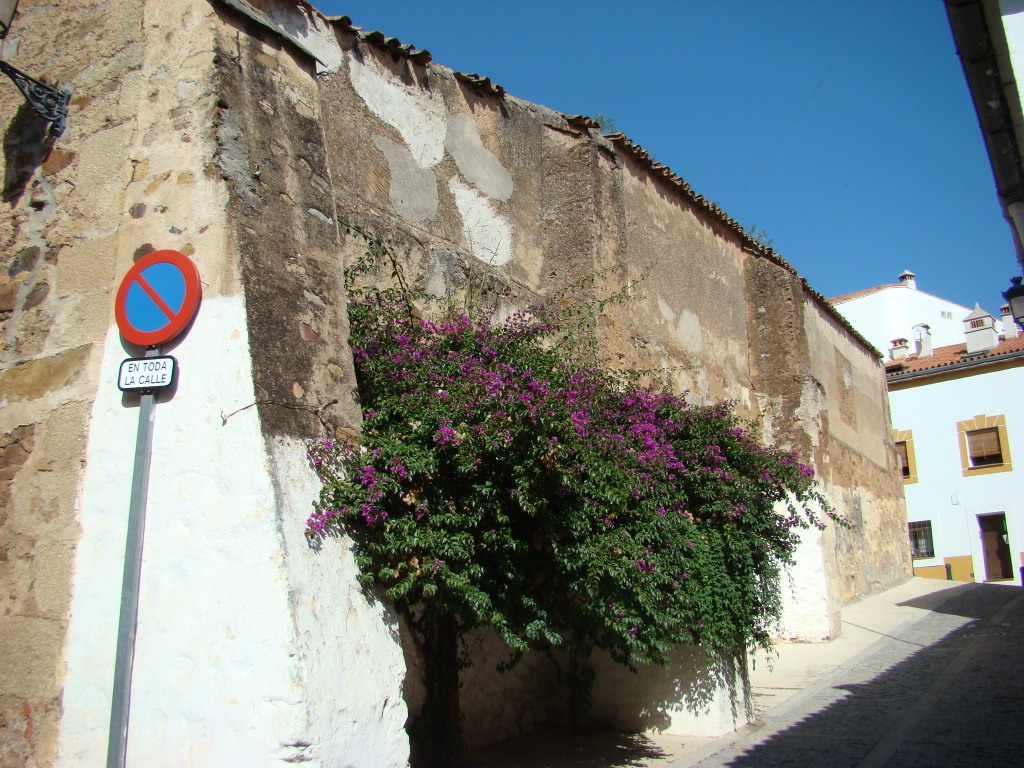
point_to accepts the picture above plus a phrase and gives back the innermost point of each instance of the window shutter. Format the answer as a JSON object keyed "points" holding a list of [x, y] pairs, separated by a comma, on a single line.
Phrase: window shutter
{"points": [[984, 446], [901, 451]]}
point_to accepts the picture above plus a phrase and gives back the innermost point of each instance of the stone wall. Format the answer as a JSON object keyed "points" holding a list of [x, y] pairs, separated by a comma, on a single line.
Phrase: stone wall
{"points": [[247, 134], [482, 194], [235, 609], [60, 213]]}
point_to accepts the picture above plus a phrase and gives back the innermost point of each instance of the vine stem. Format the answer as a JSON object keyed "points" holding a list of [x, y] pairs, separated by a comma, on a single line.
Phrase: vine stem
{"points": [[316, 410]]}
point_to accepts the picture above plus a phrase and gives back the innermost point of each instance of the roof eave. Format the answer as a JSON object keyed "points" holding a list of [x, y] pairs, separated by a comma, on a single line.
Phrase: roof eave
{"points": [[959, 366]]}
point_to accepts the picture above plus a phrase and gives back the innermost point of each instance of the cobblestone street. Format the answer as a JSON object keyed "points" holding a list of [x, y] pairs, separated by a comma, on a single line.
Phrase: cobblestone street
{"points": [[945, 690], [944, 687]]}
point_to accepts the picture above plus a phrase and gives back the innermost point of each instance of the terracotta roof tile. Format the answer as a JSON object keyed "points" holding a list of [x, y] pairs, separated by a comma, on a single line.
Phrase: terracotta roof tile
{"points": [[942, 357], [390, 44], [864, 292], [481, 83]]}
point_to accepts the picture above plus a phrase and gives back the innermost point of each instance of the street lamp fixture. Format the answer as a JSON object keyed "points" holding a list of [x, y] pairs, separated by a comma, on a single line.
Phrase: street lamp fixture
{"points": [[1015, 298], [45, 100]]}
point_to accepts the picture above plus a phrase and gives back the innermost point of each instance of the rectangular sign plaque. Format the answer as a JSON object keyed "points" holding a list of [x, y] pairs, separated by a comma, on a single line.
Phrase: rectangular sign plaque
{"points": [[144, 374]]}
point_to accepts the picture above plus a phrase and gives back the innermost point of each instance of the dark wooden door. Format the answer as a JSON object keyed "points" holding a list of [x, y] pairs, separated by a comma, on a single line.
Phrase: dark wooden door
{"points": [[995, 547]]}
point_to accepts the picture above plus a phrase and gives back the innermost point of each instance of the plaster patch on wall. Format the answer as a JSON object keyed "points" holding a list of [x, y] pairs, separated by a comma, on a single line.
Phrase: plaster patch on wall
{"points": [[309, 31], [419, 116], [812, 405], [666, 310], [744, 396], [690, 696], [313, 31], [352, 666], [214, 680], [689, 329], [487, 233], [805, 605], [434, 281], [444, 274], [413, 190], [770, 410], [477, 163]]}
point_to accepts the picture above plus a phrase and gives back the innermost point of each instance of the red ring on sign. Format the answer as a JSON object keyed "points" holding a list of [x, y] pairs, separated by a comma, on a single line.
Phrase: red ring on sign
{"points": [[179, 320]]}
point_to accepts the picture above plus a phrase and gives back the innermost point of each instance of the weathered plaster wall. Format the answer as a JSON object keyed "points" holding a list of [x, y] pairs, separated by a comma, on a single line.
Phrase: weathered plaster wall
{"points": [[60, 213], [236, 609], [691, 307], [857, 464], [492, 703], [481, 193], [345, 649], [822, 393], [203, 692], [718, 320], [690, 696]]}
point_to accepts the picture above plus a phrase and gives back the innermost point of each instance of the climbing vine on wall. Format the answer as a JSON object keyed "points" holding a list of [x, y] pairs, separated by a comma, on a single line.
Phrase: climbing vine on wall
{"points": [[505, 479]]}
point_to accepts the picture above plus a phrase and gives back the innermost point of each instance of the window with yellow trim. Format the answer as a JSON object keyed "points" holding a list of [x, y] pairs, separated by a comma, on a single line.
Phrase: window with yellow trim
{"points": [[904, 439], [984, 446]]}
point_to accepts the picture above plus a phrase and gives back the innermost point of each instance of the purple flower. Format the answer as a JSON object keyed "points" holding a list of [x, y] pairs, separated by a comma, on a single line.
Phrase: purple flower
{"points": [[580, 420], [398, 469], [368, 476], [372, 514], [445, 436], [645, 566]]}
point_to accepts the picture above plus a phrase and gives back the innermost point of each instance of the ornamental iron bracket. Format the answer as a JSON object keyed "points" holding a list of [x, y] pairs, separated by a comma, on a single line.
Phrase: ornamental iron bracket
{"points": [[47, 102]]}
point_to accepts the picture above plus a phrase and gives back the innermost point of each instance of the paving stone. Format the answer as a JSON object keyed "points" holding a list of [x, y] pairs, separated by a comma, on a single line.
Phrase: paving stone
{"points": [[945, 690]]}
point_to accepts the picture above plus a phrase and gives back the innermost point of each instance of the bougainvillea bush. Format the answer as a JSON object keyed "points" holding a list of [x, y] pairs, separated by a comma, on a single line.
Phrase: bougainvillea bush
{"points": [[504, 479]]}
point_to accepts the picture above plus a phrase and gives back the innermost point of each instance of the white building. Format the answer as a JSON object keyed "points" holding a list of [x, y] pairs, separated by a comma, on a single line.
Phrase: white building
{"points": [[891, 311], [957, 412]]}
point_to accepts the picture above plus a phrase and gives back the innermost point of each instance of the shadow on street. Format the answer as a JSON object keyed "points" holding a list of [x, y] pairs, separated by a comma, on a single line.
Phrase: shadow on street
{"points": [[558, 749], [946, 690]]}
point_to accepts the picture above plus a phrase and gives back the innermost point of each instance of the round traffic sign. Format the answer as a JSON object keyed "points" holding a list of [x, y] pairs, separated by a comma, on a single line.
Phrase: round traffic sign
{"points": [[157, 298]]}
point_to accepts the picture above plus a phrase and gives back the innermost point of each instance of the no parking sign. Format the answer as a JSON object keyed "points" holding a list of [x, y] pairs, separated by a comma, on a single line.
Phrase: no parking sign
{"points": [[155, 302], [157, 299]]}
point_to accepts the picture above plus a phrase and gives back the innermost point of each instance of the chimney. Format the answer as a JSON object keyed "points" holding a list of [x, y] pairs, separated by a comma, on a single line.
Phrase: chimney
{"points": [[899, 349], [908, 278], [923, 340], [979, 331], [1010, 330]]}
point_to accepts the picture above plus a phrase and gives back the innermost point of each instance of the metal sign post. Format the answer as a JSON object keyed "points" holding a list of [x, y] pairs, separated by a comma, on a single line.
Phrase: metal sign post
{"points": [[155, 302], [117, 744]]}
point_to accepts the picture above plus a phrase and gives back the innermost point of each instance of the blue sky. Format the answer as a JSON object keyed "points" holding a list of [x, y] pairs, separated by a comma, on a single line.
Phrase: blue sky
{"points": [[845, 131]]}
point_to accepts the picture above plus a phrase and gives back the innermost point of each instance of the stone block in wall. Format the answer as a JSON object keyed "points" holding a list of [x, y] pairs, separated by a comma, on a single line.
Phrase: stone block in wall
{"points": [[103, 169], [17, 573], [30, 646], [86, 266], [33, 379], [28, 730], [54, 563], [15, 448]]}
